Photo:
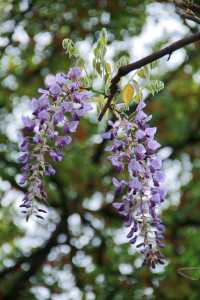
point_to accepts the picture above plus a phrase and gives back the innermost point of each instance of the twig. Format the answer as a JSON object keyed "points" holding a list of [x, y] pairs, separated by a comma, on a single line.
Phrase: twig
{"points": [[124, 70], [184, 5], [190, 17]]}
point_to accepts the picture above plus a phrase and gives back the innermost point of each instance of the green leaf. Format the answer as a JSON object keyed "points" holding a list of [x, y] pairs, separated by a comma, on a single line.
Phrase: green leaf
{"points": [[122, 61], [103, 37], [70, 48], [155, 86], [80, 62], [107, 71], [138, 96], [144, 72]]}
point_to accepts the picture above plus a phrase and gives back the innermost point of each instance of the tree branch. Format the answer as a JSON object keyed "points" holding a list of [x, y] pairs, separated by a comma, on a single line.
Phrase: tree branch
{"points": [[124, 70], [189, 17], [183, 5], [192, 6]]}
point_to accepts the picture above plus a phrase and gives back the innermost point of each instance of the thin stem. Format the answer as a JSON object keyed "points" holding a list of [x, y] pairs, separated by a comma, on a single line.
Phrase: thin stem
{"points": [[94, 91]]}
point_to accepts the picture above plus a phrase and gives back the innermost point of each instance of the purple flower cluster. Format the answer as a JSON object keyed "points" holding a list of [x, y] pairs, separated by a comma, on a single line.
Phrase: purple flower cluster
{"points": [[55, 116], [140, 185]]}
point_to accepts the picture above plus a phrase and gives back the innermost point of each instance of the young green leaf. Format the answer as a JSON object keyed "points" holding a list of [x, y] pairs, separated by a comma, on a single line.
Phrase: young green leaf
{"points": [[122, 61], [144, 72], [155, 86]]}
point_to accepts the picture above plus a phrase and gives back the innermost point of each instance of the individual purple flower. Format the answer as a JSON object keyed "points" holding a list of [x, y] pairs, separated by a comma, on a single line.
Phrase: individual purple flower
{"points": [[50, 79], [74, 73], [61, 79], [22, 180], [57, 156], [107, 135], [70, 126], [23, 146], [55, 89], [49, 171], [51, 133], [155, 165], [135, 167], [150, 132], [62, 141], [140, 151], [23, 158], [118, 206], [158, 177], [82, 111], [140, 134], [135, 184], [28, 123], [67, 106], [43, 91], [39, 104], [116, 162], [58, 117], [37, 139], [119, 184], [43, 116], [152, 146]]}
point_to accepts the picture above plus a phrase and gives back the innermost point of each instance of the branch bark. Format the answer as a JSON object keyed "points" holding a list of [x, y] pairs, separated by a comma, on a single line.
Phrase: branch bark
{"points": [[124, 70], [189, 17]]}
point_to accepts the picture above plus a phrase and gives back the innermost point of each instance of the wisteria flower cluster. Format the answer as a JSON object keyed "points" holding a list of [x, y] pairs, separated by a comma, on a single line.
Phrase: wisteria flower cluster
{"points": [[134, 155], [55, 116]]}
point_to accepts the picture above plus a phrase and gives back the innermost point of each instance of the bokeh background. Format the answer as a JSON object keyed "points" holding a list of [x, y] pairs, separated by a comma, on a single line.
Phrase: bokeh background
{"points": [[80, 251]]}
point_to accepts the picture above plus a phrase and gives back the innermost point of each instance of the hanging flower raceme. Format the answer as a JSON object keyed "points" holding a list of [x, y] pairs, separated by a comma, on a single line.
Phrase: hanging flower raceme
{"points": [[55, 116], [140, 185]]}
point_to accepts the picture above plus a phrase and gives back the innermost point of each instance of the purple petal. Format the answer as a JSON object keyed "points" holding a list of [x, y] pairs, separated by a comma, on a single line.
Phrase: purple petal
{"points": [[43, 116], [67, 106], [152, 146], [58, 117], [61, 78], [61, 141], [135, 167], [150, 131], [28, 123], [107, 135], [49, 171], [55, 155], [135, 184], [140, 151], [74, 73], [155, 164], [55, 89], [140, 134], [133, 240], [23, 158]]}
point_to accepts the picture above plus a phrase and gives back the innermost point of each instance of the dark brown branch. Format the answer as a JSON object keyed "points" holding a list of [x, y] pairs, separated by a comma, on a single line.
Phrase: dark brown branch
{"points": [[124, 70], [192, 55], [192, 6], [183, 5], [190, 17]]}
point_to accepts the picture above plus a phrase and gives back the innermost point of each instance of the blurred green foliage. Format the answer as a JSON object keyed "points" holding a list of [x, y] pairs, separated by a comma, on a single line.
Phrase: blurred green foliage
{"points": [[79, 245]]}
